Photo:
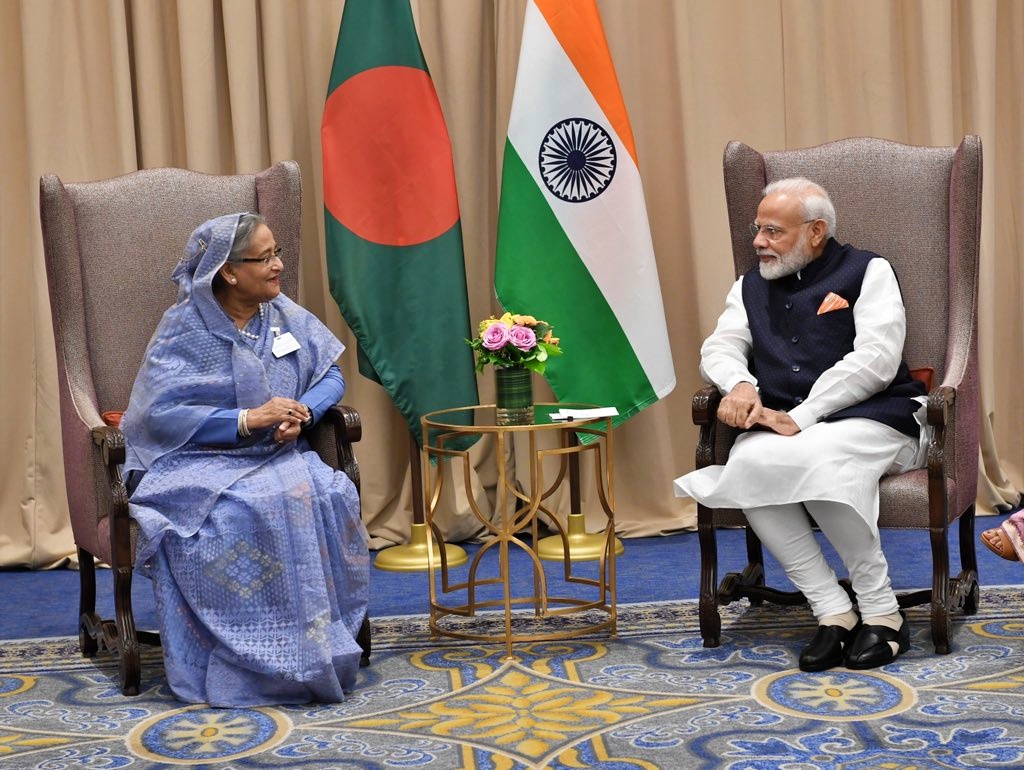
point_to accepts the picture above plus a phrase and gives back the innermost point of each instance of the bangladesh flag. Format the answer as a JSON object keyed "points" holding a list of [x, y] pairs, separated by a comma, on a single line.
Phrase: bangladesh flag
{"points": [[394, 239]]}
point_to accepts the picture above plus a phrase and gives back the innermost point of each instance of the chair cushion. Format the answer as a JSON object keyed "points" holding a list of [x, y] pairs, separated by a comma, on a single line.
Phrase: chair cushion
{"points": [[113, 419], [925, 375]]}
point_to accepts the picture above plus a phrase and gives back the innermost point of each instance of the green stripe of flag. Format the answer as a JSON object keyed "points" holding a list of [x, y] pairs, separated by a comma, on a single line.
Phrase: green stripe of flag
{"points": [[539, 268], [378, 33]]}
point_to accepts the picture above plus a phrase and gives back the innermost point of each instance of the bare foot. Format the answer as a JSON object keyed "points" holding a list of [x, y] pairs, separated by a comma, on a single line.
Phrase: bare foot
{"points": [[997, 542]]}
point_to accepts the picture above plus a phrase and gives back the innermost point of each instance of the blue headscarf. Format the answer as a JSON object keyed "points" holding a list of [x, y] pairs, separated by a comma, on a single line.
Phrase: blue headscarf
{"points": [[197, 362]]}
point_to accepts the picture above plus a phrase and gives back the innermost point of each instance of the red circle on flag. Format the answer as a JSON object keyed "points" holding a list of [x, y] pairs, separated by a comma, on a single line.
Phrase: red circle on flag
{"points": [[388, 174]]}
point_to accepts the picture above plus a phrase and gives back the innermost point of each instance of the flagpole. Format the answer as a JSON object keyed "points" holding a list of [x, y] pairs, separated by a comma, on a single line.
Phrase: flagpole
{"points": [[412, 556], [583, 546]]}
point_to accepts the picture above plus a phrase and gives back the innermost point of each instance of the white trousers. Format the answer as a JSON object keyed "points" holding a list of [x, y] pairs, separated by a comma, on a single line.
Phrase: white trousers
{"points": [[786, 532]]}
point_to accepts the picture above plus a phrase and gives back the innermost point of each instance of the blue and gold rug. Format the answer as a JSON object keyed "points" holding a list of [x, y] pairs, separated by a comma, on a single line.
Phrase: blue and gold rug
{"points": [[652, 697]]}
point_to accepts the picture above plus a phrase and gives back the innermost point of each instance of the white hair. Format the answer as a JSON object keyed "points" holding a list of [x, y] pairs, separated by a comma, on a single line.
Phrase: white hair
{"points": [[247, 224], [815, 200]]}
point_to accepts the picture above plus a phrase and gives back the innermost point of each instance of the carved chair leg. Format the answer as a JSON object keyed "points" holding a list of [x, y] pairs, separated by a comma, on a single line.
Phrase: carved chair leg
{"points": [[969, 561], [940, 612], [127, 641], [87, 620], [710, 620], [364, 640]]}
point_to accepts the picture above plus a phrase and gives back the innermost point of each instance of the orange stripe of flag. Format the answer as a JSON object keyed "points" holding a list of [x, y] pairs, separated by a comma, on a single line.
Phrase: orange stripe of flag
{"points": [[576, 25]]}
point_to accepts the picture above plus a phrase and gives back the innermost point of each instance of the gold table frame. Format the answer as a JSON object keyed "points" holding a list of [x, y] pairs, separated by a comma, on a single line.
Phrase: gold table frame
{"points": [[517, 514]]}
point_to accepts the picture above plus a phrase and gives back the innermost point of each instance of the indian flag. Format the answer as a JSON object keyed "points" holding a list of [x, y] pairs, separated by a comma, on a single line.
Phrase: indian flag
{"points": [[574, 244]]}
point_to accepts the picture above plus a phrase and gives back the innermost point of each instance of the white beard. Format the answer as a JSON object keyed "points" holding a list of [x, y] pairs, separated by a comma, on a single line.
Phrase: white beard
{"points": [[793, 261]]}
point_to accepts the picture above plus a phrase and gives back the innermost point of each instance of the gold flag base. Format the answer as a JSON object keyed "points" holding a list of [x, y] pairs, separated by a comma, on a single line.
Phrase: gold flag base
{"points": [[582, 547], [412, 557]]}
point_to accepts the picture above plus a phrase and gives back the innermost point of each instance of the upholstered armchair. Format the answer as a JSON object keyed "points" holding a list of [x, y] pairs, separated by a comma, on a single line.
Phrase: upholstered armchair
{"points": [[920, 207], [110, 247]]}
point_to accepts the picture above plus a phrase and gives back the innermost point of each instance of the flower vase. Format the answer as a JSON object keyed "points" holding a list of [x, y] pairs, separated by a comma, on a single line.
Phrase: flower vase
{"points": [[514, 395]]}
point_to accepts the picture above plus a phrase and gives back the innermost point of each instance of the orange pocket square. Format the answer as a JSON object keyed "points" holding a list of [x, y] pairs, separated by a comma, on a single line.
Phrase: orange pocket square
{"points": [[832, 302]]}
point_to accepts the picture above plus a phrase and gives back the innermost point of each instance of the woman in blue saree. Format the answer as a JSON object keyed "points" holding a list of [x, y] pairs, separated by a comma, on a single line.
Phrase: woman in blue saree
{"points": [[256, 549]]}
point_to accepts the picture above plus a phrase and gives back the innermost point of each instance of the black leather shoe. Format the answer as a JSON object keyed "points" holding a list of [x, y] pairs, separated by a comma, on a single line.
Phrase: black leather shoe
{"points": [[870, 648], [826, 648]]}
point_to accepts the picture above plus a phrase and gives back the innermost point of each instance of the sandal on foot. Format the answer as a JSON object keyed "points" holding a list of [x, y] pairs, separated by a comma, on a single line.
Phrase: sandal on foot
{"points": [[997, 543]]}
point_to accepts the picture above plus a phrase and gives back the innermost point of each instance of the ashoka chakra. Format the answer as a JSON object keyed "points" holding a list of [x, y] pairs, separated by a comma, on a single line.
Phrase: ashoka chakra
{"points": [[577, 160]]}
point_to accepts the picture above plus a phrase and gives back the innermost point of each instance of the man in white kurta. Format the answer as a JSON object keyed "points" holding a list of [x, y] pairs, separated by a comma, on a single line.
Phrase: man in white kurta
{"points": [[808, 356]]}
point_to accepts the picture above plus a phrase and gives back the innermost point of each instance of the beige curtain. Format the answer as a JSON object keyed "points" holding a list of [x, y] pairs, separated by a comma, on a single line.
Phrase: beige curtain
{"points": [[96, 88]]}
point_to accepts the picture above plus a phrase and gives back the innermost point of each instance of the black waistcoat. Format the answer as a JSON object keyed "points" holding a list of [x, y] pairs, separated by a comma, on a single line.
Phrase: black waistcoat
{"points": [[793, 345]]}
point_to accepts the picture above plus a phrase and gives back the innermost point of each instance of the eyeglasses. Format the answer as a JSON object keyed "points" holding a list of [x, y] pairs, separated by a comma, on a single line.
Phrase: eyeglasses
{"points": [[265, 259], [771, 232]]}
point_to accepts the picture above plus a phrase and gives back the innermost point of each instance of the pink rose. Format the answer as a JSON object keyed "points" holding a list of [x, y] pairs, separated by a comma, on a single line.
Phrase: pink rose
{"points": [[522, 337], [495, 336]]}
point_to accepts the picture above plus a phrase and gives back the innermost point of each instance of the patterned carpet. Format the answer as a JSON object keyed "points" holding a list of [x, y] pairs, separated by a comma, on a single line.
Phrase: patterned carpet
{"points": [[652, 697]]}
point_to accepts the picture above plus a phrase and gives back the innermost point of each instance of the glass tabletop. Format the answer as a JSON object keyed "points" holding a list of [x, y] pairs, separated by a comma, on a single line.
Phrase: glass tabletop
{"points": [[473, 418]]}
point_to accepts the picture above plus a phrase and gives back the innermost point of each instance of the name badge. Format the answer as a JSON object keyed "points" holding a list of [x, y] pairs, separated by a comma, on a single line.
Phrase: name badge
{"points": [[285, 344]]}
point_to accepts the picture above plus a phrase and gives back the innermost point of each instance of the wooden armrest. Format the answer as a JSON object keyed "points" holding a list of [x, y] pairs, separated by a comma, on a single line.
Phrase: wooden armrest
{"points": [[347, 422], [705, 414], [334, 436], [111, 442], [705, 405], [940, 401]]}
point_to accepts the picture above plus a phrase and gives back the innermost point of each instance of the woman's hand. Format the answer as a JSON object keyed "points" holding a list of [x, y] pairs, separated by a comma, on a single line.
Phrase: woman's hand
{"points": [[285, 415], [287, 431]]}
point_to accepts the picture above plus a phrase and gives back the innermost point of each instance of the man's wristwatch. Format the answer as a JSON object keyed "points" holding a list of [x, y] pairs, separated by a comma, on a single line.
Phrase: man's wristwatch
{"points": [[309, 421]]}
